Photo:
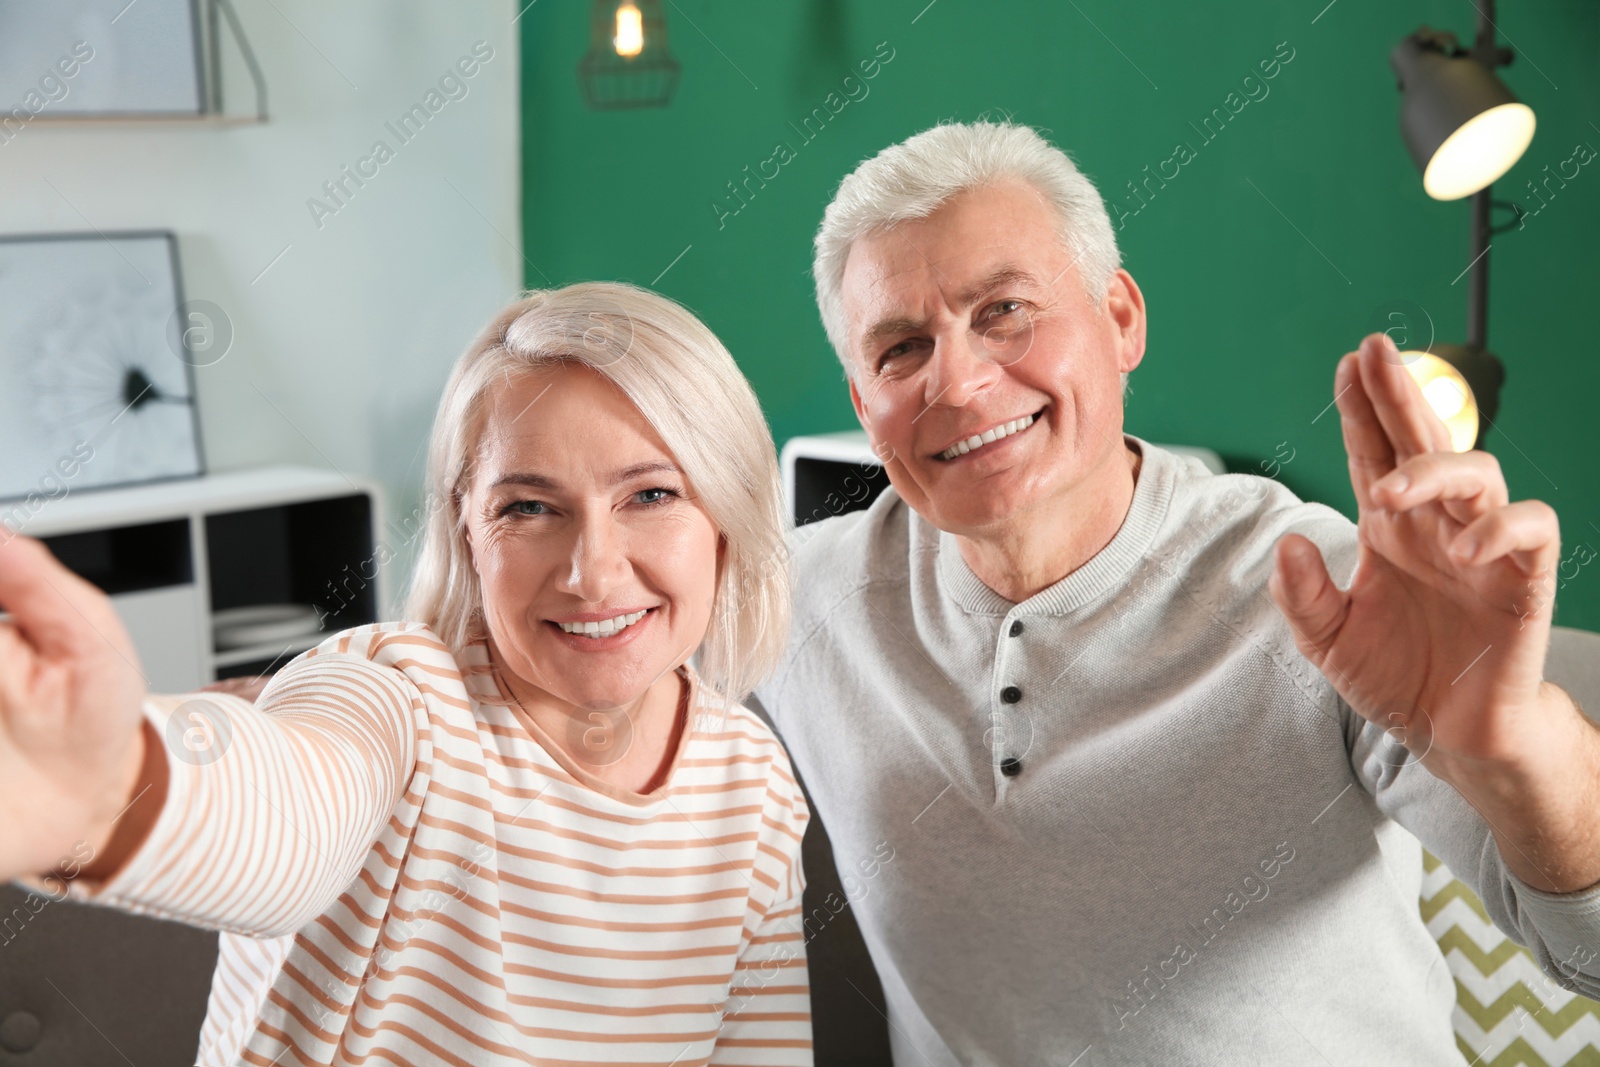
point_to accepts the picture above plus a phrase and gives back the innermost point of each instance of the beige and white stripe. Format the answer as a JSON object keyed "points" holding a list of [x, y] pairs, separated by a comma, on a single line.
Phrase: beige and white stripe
{"points": [[406, 871]]}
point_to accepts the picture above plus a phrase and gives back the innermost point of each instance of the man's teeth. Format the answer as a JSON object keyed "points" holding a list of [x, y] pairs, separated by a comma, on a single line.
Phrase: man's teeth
{"points": [[603, 629], [961, 448]]}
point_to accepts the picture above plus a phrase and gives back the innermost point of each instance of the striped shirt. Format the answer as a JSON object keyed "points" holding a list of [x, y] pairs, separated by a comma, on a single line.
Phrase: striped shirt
{"points": [[405, 870]]}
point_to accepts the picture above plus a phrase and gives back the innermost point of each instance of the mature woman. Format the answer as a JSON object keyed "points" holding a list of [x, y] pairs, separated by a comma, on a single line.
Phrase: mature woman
{"points": [[519, 828]]}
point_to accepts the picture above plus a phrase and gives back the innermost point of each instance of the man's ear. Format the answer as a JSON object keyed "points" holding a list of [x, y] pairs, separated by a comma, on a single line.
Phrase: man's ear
{"points": [[883, 451], [1124, 306]]}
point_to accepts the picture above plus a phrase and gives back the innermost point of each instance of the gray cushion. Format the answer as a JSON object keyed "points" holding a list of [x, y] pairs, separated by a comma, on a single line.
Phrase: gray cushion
{"points": [[98, 986]]}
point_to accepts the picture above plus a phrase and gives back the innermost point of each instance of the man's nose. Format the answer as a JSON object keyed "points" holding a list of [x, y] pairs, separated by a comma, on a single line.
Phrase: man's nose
{"points": [[957, 372]]}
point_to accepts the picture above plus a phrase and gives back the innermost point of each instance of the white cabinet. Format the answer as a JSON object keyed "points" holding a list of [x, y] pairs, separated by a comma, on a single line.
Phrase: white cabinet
{"points": [[166, 627], [172, 553]]}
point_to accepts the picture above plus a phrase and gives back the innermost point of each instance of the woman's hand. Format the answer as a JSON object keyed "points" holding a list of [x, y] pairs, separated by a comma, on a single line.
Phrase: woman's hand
{"points": [[71, 742]]}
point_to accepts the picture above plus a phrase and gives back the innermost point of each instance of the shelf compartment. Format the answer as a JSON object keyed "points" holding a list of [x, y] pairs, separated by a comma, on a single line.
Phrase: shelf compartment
{"points": [[316, 552], [128, 559]]}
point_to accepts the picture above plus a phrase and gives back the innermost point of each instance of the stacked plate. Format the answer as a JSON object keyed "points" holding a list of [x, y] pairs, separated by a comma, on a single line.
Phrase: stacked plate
{"points": [[264, 624]]}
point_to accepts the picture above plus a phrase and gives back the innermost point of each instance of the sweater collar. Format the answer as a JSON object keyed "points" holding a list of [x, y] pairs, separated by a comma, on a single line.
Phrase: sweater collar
{"points": [[1151, 495]]}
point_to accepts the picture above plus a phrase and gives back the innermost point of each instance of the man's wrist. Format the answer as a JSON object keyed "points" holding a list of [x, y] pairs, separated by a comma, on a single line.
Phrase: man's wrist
{"points": [[1539, 794]]}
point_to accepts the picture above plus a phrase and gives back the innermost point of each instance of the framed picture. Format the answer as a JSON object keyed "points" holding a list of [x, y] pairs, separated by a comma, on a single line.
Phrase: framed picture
{"points": [[84, 58], [96, 385]]}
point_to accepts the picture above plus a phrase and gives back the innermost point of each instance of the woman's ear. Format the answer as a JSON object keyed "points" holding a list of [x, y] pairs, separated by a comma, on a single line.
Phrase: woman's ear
{"points": [[466, 534]]}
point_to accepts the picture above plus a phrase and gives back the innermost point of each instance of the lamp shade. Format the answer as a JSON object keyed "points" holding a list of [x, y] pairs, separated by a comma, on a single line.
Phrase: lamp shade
{"points": [[1463, 127]]}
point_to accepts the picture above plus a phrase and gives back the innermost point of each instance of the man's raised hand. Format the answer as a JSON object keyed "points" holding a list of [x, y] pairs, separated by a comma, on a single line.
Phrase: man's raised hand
{"points": [[1441, 637]]}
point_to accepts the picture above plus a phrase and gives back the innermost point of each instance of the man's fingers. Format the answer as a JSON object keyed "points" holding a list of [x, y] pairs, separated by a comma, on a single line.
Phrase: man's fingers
{"points": [[1470, 480], [1409, 423], [1365, 443], [1527, 529], [59, 613], [1307, 596]]}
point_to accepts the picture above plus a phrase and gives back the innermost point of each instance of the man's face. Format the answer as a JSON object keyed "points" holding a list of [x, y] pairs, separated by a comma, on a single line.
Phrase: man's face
{"points": [[973, 323]]}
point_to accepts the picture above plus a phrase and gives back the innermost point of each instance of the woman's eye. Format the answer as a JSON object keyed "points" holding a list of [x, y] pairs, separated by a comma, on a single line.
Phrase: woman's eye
{"points": [[658, 495], [525, 507]]}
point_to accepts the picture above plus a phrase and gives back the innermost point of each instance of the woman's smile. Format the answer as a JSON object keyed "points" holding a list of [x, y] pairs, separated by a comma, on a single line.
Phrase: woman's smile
{"points": [[602, 632]]}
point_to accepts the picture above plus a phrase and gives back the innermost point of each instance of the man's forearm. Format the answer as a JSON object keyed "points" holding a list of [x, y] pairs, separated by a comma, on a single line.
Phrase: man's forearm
{"points": [[1543, 805]]}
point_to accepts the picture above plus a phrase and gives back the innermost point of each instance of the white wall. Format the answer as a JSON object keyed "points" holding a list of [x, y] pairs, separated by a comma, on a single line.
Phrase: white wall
{"points": [[341, 347]]}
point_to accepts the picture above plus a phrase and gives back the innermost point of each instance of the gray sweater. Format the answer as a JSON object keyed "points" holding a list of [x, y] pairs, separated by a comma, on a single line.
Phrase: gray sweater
{"points": [[1125, 821]]}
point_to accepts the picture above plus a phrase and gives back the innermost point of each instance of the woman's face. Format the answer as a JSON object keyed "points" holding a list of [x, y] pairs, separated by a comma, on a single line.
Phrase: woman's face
{"points": [[580, 520]]}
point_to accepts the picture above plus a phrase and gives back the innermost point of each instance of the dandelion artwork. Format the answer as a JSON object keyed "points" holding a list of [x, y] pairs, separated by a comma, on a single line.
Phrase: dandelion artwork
{"points": [[96, 384]]}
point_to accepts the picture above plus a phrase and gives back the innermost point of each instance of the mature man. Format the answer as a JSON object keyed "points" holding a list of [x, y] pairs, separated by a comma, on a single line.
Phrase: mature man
{"points": [[1139, 810]]}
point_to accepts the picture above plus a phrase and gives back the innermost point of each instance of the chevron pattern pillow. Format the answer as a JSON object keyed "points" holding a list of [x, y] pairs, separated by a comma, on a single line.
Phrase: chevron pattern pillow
{"points": [[1508, 1012]]}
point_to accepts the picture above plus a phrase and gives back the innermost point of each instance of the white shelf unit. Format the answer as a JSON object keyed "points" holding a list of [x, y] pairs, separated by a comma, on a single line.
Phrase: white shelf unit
{"points": [[171, 553]]}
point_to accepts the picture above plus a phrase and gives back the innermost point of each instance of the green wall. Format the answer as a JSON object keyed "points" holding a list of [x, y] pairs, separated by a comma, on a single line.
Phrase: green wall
{"points": [[1294, 231]]}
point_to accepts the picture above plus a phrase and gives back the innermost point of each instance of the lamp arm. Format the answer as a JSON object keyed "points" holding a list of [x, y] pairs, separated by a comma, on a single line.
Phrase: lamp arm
{"points": [[1478, 284], [1517, 214], [1484, 48]]}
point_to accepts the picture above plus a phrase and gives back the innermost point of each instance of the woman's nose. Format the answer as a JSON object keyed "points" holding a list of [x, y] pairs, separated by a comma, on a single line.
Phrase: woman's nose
{"points": [[596, 561]]}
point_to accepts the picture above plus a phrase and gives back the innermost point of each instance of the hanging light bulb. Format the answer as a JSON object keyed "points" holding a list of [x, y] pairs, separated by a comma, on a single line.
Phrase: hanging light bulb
{"points": [[628, 63], [629, 39], [1448, 394]]}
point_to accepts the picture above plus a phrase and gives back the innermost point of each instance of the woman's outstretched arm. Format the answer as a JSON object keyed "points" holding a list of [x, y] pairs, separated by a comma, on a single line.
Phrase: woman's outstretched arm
{"points": [[202, 809]]}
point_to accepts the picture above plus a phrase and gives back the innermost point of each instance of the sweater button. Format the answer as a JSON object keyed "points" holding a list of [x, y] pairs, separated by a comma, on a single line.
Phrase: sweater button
{"points": [[1010, 694], [1016, 627], [1011, 766]]}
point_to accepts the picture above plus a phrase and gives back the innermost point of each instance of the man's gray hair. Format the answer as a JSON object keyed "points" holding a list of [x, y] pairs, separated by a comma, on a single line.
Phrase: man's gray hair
{"points": [[914, 178]]}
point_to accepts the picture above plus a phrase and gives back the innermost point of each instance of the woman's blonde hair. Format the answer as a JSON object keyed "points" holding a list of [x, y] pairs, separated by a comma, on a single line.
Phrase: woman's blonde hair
{"points": [[687, 386]]}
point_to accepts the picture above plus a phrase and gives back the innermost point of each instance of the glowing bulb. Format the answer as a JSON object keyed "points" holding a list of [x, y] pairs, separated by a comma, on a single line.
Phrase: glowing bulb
{"points": [[1445, 398], [1479, 152], [629, 40], [1448, 394]]}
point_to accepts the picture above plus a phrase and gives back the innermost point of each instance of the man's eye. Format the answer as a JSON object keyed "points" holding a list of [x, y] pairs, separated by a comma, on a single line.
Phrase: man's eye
{"points": [[1002, 308], [894, 352]]}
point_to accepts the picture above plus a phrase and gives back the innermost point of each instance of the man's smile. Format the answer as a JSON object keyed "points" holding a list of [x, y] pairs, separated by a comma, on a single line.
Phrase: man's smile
{"points": [[984, 439]]}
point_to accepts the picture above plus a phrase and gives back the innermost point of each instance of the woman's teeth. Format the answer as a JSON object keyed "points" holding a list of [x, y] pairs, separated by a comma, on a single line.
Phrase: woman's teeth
{"points": [[961, 448], [605, 628]]}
